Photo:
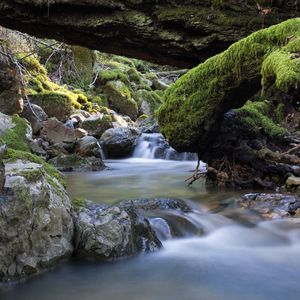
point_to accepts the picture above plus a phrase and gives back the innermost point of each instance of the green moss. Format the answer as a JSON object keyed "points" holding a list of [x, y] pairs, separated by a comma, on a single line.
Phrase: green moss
{"points": [[16, 137], [32, 175], [111, 75], [24, 195], [280, 113], [257, 115], [78, 202], [84, 60], [31, 64], [134, 75], [13, 155], [151, 97], [199, 98], [120, 99], [123, 60]]}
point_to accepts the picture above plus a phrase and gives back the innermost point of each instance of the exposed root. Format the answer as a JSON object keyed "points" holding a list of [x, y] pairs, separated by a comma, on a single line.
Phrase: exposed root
{"points": [[196, 175]]}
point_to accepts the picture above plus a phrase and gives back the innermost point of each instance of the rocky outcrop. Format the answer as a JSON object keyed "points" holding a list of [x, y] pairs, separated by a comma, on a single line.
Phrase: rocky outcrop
{"points": [[181, 33], [36, 226], [11, 90], [114, 232], [119, 142]]}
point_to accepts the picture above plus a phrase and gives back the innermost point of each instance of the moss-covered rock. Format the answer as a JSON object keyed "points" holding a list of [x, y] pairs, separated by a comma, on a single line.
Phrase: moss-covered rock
{"points": [[148, 101], [55, 104], [194, 105], [97, 125], [17, 135], [120, 99], [35, 220]]}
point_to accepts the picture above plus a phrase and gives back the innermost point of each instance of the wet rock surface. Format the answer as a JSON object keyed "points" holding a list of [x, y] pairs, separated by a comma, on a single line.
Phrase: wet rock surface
{"points": [[112, 232], [271, 206]]}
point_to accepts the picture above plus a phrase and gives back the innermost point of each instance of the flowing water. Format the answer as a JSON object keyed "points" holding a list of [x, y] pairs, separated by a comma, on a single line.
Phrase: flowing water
{"points": [[214, 253]]}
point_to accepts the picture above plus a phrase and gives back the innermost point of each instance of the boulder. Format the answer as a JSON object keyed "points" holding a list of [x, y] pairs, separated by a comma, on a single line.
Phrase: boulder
{"points": [[112, 232], [96, 125], [76, 163], [88, 146], [120, 99], [36, 225], [119, 142], [11, 91], [55, 104], [35, 115], [55, 131]]}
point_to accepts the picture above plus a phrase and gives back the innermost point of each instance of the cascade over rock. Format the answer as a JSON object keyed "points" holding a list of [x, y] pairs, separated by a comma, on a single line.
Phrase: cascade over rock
{"points": [[180, 33]]}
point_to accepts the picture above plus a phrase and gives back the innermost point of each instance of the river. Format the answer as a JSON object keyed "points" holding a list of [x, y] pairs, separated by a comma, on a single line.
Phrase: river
{"points": [[233, 255]]}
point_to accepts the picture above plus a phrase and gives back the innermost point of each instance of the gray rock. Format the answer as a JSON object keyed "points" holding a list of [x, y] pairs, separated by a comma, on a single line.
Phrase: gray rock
{"points": [[76, 163], [35, 115], [55, 131], [36, 225], [88, 146], [108, 233], [119, 142]]}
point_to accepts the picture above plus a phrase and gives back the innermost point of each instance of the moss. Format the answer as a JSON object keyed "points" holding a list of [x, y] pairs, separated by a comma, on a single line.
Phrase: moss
{"points": [[78, 202], [198, 99], [283, 67], [32, 175], [280, 113], [134, 75], [84, 60], [31, 63], [13, 155], [24, 195], [111, 75], [120, 99], [124, 60], [151, 97], [16, 137], [257, 115]]}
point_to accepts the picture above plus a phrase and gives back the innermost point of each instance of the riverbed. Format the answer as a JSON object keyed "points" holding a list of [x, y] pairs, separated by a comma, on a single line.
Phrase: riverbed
{"points": [[232, 256]]}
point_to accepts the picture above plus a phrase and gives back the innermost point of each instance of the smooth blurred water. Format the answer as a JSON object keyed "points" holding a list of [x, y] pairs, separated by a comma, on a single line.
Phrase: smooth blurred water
{"points": [[219, 257]]}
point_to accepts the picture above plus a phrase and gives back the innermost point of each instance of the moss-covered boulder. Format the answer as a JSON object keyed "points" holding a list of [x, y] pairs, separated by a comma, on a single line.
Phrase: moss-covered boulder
{"points": [[120, 99], [55, 104], [15, 132], [148, 101], [36, 225], [96, 125], [193, 108]]}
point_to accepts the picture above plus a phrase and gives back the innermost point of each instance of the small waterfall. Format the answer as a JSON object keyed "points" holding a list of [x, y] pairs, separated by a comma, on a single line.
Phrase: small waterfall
{"points": [[102, 154], [154, 145]]}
